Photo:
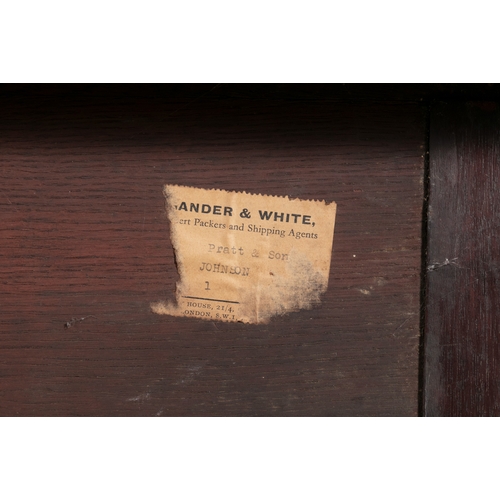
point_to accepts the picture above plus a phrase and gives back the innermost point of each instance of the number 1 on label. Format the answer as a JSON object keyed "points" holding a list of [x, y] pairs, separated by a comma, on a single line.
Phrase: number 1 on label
{"points": [[208, 285]]}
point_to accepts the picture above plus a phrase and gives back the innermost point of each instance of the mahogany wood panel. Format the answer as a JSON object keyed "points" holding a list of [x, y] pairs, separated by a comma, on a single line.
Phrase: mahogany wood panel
{"points": [[462, 370], [84, 235]]}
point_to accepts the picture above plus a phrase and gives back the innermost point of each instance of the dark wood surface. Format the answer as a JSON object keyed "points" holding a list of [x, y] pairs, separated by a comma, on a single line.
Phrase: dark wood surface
{"points": [[84, 235], [462, 370]]}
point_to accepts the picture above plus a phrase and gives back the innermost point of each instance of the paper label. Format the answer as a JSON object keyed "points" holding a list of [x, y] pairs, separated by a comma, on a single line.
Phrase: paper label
{"points": [[245, 257]]}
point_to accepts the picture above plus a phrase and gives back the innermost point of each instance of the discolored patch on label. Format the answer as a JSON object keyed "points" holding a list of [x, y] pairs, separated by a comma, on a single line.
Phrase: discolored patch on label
{"points": [[246, 257]]}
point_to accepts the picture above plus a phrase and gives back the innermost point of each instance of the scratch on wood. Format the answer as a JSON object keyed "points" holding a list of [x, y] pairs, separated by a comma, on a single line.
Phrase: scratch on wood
{"points": [[141, 397], [73, 321], [446, 262]]}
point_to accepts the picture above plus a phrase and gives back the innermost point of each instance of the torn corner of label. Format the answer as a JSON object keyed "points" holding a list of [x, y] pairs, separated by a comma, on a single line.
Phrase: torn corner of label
{"points": [[164, 308], [246, 257]]}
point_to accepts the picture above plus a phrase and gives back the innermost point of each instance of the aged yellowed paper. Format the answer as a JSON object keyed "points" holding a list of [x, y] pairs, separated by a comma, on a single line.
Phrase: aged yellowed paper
{"points": [[247, 257]]}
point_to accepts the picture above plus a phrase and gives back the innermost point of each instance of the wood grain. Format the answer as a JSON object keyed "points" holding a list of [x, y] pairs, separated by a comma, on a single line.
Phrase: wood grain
{"points": [[462, 369], [84, 235]]}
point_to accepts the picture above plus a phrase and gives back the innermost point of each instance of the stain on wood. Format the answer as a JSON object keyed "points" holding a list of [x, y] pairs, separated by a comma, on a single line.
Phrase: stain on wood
{"points": [[85, 250]]}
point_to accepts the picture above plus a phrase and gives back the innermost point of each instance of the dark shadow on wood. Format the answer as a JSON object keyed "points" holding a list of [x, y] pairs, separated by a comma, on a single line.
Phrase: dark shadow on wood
{"points": [[462, 345]]}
